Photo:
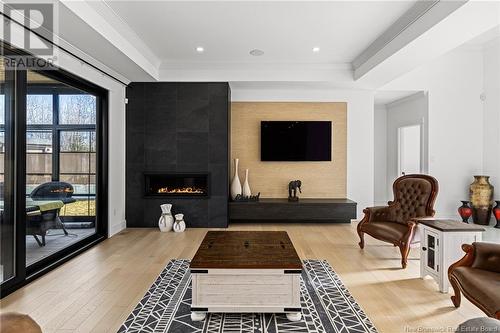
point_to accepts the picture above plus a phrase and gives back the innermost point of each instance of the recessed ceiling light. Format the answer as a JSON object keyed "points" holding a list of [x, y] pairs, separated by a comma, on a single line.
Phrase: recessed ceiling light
{"points": [[256, 52], [200, 49], [316, 49]]}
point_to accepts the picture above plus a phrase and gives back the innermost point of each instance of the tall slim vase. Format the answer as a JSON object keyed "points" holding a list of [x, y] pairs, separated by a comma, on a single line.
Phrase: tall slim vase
{"points": [[246, 186], [235, 183], [481, 197]]}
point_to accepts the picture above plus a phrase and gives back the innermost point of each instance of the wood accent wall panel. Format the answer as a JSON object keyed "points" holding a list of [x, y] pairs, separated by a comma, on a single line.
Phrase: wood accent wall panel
{"points": [[319, 179]]}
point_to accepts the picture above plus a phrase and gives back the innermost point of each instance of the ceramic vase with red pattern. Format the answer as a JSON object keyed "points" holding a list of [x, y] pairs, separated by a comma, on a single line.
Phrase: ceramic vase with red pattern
{"points": [[496, 213], [465, 211]]}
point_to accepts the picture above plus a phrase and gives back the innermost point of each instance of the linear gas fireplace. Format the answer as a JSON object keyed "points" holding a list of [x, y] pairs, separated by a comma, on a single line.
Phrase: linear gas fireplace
{"points": [[176, 184]]}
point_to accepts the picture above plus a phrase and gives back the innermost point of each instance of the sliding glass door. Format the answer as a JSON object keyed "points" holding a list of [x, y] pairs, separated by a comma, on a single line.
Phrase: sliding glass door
{"points": [[7, 227], [53, 188], [60, 166]]}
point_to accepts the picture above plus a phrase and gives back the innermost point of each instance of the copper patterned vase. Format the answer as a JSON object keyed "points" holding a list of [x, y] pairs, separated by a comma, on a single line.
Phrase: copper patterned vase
{"points": [[481, 198]]}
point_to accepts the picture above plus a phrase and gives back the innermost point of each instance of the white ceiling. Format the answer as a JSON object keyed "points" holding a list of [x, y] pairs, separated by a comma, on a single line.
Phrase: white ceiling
{"points": [[156, 40], [285, 31]]}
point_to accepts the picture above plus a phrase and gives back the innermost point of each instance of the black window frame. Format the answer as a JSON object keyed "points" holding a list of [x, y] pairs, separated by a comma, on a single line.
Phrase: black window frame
{"points": [[17, 199], [56, 90]]}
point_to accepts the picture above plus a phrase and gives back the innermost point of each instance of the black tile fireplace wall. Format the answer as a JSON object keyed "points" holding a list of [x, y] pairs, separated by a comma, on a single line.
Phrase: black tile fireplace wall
{"points": [[184, 128]]}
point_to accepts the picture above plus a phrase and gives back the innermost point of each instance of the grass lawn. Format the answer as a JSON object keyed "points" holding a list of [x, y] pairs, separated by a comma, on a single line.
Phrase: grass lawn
{"points": [[79, 208]]}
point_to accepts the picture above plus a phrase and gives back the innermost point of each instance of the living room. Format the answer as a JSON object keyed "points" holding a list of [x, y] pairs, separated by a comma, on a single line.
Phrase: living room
{"points": [[250, 166]]}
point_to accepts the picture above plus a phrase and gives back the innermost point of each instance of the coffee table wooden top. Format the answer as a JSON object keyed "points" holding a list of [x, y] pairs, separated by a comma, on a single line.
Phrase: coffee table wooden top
{"points": [[246, 250]]}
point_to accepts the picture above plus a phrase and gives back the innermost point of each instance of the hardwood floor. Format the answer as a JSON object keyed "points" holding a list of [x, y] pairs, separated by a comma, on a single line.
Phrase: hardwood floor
{"points": [[97, 290]]}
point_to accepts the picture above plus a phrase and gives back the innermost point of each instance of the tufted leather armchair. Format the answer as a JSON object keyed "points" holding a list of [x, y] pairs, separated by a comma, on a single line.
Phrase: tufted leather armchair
{"points": [[477, 276], [414, 197]]}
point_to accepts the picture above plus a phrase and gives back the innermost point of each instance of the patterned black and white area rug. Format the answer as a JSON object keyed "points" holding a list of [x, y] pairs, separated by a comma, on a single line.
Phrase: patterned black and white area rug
{"points": [[327, 306]]}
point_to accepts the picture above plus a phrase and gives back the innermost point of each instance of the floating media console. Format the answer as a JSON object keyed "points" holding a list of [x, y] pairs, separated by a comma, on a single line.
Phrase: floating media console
{"points": [[308, 210]]}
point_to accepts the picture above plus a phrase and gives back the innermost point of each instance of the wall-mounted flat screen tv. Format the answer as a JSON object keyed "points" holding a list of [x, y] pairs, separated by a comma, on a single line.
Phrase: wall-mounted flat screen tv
{"points": [[296, 140]]}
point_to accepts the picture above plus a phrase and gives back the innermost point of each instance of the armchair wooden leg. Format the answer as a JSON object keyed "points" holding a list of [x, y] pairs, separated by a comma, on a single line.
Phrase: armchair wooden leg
{"points": [[361, 239], [457, 298], [405, 251]]}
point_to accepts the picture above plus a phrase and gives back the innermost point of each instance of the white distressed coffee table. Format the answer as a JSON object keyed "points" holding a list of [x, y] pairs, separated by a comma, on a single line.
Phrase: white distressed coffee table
{"points": [[246, 271]]}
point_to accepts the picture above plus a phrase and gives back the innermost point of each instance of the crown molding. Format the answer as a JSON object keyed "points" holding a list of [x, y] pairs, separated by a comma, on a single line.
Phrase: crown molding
{"points": [[416, 21], [179, 65], [61, 44], [103, 7], [406, 99], [337, 74], [408, 18], [469, 21], [101, 18]]}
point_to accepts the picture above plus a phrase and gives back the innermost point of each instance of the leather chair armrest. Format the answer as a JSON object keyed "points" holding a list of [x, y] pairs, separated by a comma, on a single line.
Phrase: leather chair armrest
{"points": [[373, 214], [379, 213], [416, 220], [486, 256], [467, 260]]}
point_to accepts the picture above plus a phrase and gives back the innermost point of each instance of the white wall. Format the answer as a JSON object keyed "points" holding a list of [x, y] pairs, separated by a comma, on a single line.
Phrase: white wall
{"points": [[380, 156], [454, 83], [411, 110], [491, 155], [360, 105]]}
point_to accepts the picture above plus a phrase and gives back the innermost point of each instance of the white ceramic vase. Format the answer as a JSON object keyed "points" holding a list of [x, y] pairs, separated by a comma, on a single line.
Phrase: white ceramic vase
{"points": [[179, 224], [246, 186], [235, 183], [166, 220]]}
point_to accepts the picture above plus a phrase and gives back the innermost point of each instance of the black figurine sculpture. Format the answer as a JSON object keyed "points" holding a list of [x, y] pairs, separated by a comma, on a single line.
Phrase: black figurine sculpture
{"points": [[292, 189]]}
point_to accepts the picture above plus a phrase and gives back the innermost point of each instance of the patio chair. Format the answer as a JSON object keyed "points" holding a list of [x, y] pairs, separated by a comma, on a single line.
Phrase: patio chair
{"points": [[54, 191], [39, 225]]}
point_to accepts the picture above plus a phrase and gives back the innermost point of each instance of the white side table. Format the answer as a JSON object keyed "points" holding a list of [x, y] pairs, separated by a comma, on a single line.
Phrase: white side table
{"points": [[440, 246]]}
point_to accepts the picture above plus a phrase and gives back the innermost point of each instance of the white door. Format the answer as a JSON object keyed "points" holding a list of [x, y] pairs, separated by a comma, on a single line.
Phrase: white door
{"points": [[409, 150]]}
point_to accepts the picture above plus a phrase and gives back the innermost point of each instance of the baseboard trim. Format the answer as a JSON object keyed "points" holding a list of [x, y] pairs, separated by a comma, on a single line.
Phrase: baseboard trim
{"points": [[116, 228]]}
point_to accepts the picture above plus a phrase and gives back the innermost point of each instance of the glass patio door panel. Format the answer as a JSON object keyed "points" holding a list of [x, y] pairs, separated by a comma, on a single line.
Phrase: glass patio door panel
{"points": [[60, 166], [78, 167], [77, 109], [7, 226], [49, 162], [38, 159], [39, 109]]}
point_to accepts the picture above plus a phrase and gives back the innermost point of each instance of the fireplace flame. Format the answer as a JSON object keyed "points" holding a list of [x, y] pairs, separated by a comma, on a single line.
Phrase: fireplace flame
{"points": [[187, 190]]}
